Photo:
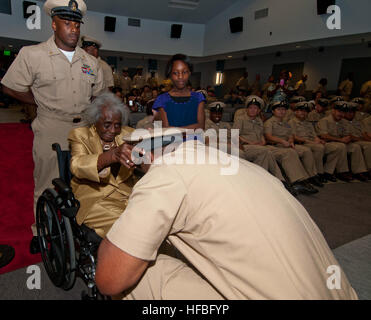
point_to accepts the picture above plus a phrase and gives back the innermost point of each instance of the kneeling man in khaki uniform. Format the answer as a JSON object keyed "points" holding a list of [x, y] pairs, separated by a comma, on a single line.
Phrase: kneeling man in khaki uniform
{"points": [[231, 242]]}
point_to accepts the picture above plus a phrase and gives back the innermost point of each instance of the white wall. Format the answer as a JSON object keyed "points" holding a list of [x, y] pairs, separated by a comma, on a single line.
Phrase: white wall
{"points": [[316, 65], [153, 37], [289, 21]]}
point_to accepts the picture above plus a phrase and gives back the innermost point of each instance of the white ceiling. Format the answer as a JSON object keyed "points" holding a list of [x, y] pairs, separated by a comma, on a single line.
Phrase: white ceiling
{"points": [[159, 9]]}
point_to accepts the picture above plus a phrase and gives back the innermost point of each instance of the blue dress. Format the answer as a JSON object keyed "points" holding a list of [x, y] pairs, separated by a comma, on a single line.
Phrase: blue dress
{"points": [[179, 114]]}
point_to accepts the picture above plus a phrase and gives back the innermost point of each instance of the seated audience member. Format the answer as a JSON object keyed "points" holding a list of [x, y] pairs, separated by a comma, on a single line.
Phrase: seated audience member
{"points": [[211, 97], [233, 99], [305, 134], [300, 86], [147, 122], [346, 86], [365, 93], [332, 128], [180, 107], [366, 123], [318, 112], [213, 121], [281, 90], [146, 95], [322, 87], [279, 135], [132, 102], [234, 244], [100, 182], [361, 114], [332, 103], [243, 82], [357, 131], [290, 113], [264, 89], [154, 94], [252, 139]]}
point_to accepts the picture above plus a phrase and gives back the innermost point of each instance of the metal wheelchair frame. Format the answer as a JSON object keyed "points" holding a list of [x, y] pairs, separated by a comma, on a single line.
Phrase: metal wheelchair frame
{"points": [[68, 250]]}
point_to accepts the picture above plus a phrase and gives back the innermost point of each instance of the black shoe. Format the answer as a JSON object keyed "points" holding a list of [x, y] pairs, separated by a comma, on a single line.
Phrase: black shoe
{"points": [[361, 177], [322, 178], [315, 181], [34, 245], [330, 177], [344, 176], [304, 188], [289, 188]]}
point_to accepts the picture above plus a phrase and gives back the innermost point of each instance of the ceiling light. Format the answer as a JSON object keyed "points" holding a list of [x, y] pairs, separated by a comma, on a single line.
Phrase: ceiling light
{"points": [[229, 56], [184, 4]]}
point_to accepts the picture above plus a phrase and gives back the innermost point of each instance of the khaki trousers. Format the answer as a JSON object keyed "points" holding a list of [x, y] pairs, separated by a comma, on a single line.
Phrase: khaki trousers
{"points": [[357, 162], [169, 278], [336, 157], [46, 132], [263, 157], [290, 162], [306, 156], [366, 150]]}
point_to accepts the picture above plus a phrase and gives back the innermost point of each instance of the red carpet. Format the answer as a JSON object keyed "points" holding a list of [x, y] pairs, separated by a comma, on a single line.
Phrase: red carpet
{"points": [[16, 193]]}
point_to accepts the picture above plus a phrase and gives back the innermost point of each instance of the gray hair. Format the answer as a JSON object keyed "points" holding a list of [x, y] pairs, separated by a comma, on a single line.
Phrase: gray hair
{"points": [[109, 100]]}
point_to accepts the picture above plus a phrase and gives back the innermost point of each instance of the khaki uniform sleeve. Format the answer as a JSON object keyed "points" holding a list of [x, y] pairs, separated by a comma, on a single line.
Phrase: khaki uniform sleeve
{"points": [[108, 75], [99, 85], [149, 217], [268, 127], [19, 76], [322, 127], [292, 124], [237, 124], [83, 164], [366, 125]]}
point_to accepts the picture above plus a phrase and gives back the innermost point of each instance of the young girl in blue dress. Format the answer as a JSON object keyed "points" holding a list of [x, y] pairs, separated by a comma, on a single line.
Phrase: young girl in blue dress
{"points": [[180, 107]]}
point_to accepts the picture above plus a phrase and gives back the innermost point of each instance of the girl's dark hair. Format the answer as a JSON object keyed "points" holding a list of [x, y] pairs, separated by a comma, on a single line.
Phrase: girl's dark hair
{"points": [[177, 57]]}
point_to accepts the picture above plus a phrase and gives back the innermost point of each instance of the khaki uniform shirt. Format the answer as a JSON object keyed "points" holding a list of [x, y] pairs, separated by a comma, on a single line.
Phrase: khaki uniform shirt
{"points": [[139, 81], [125, 84], [255, 88], [243, 245], [209, 124], [61, 89], [322, 89], [354, 128], [303, 129], [107, 73], [367, 125], [277, 128], [328, 125], [314, 116], [366, 90], [250, 129], [345, 88]]}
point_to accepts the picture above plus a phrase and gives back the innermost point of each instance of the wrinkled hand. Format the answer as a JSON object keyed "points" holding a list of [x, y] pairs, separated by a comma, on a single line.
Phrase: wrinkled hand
{"points": [[122, 154]]}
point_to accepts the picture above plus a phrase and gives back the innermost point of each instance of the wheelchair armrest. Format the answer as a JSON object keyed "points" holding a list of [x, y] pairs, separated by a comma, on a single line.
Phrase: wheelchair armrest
{"points": [[61, 186]]}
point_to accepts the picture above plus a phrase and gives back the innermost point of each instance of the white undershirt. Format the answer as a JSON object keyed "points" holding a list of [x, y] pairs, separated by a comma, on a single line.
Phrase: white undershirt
{"points": [[68, 54]]}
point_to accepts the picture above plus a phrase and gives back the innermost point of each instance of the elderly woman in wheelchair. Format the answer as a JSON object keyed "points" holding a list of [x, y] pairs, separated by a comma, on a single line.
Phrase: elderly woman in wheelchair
{"points": [[101, 179], [73, 217]]}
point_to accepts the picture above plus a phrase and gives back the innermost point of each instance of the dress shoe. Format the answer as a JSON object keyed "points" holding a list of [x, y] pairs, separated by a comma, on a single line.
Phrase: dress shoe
{"points": [[289, 188], [304, 188], [361, 177], [34, 245], [322, 178], [344, 176], [315, 181], [329, 177]]}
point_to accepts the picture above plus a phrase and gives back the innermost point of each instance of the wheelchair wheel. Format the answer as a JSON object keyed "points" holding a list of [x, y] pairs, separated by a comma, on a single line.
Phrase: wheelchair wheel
{"points": [[56, 241]]}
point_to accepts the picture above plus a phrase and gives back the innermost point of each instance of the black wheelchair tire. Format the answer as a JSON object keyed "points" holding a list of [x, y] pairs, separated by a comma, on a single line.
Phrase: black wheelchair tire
{"points": [[70, 276], [53, 256]]}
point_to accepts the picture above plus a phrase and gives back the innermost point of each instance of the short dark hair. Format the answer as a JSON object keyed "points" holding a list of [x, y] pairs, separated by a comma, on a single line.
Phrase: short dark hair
{"points": [[177, 57], [116, 89]]}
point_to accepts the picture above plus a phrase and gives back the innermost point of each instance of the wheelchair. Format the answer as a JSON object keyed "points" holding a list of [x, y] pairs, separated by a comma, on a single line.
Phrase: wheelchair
{"points": [[68, 250]]}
